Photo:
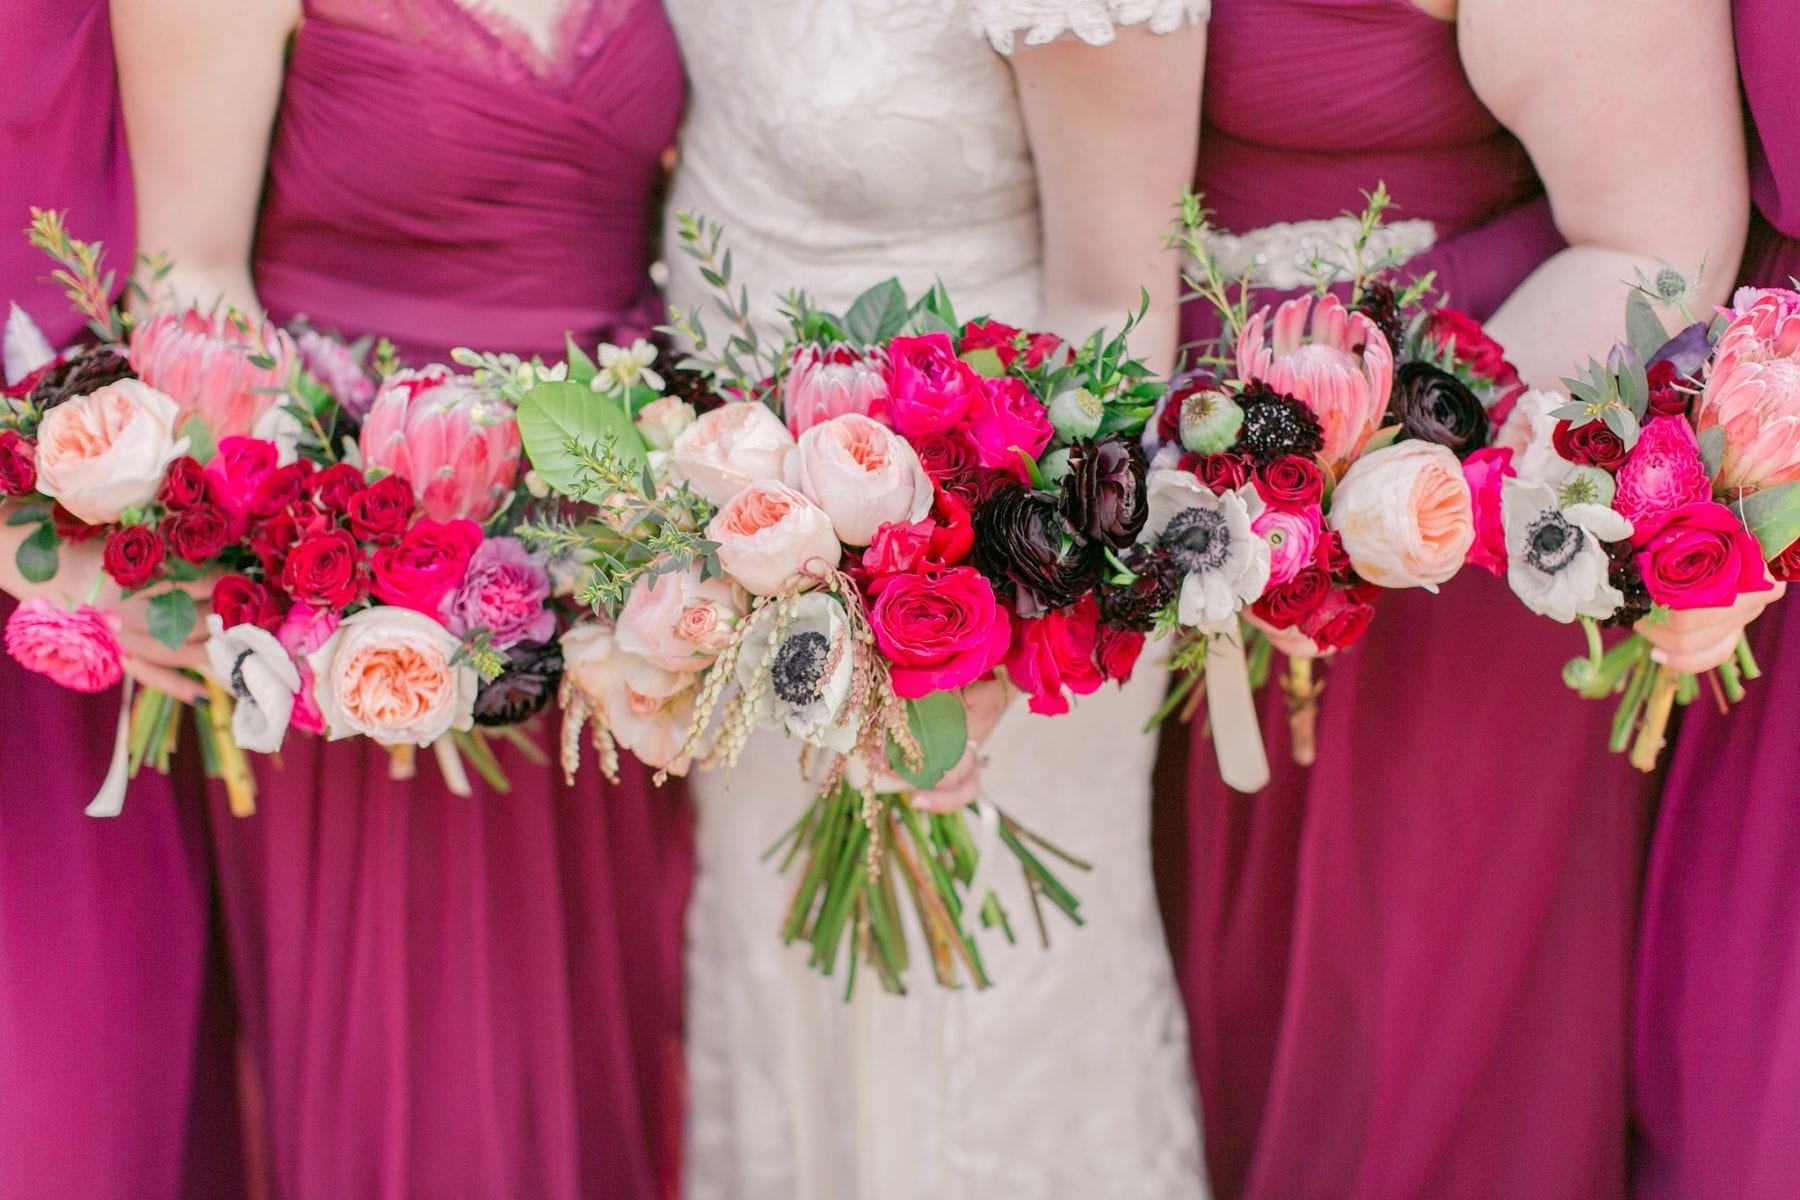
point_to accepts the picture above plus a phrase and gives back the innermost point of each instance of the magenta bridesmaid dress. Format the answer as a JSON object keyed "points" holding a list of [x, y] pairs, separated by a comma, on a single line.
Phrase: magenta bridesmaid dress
{"points": [[1717, 1029], [117, 1066], [463, 999], [1406, 968]]}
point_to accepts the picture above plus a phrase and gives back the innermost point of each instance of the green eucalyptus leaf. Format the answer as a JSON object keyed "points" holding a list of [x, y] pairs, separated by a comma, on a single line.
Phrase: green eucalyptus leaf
{"points": [[171, 617], [1712, 450], [878, 314], [553, 414], [37, 554], [1773, 517], [985, 362], [940, 726], [1643, 328], [28, 514]]}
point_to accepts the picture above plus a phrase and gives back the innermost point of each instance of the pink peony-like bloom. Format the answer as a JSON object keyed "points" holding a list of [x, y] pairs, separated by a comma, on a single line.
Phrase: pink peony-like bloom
{"points": [[504, 591], [204, 362], [77, 648], [731, 447], [863, 474], [1700, 556], [391, 674], [1293, 537], [1005, 420], [1753, 392], [459, 449], [930, 389], [646, 709], [772, 538], [303, 631], [1405, 515], [1662, 473], [679, 622], [823, 382], [100, 454], [939, 632], [1486, 472], [1344, 371], [339, 368]]}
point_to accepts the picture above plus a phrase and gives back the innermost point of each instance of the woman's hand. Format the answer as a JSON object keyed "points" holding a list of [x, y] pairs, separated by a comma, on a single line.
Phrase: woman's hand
{"points": [[984, 703], [1695, 640]]}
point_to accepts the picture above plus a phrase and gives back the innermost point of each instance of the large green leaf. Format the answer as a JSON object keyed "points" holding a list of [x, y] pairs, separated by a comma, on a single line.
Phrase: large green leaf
{"points": [[877, 314], [941, 727], [171, 617], [36, 556], [554, 414], [1773, 517]]}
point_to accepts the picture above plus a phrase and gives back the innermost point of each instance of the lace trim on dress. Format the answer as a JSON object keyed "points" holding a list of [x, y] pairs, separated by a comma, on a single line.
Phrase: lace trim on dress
{"points": [[1303, 253], [1093, 21]]}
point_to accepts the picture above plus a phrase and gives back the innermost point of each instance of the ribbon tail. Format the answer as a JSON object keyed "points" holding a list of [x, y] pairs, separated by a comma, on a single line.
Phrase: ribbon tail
{"points": [[456, 776], [109, 801], [1237, 739]]}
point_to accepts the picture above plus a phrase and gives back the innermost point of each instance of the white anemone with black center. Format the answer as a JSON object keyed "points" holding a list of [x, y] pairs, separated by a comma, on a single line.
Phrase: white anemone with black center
{"points": [[804, 685], [1224, 564], [262, 679], [1555, 561]]}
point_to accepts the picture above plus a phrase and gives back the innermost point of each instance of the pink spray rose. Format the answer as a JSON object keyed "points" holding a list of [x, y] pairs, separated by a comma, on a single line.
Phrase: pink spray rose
{"points": [[1006, 419], [939, 632], [1405, 515], [678, 622], [1343, 371], [204, 363], [77, 648], [930, 389], [1753, 391], [1486, 471], [1700, 556], [504, 591], [731, 447], [830, 381], [459, 448], [105, 452], [862, 474], [772, 538], [1662, 473]]}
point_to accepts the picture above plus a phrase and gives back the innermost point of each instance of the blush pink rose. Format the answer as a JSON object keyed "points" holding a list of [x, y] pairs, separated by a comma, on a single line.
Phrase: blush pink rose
{"points": [[1486, 471], [930, 389], [1293, 537], [105, 452], [647, 710], [1405, 515], [730, 448], [390, 674], [678, 621], [1005, 421], [76, 648], [771, 538], [823, 382], [1054, 654], [1662, 473], [939, 632], [862, 474], [1700, 556]]}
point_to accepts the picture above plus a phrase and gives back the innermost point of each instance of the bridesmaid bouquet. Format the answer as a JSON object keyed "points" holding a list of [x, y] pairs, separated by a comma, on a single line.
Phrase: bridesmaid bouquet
{"points": [[1667, 479], [834, 537]]}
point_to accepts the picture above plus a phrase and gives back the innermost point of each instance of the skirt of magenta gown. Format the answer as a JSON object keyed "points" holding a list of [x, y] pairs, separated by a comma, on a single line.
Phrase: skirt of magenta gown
{"points": [[460, 998], [1717, 1047]]}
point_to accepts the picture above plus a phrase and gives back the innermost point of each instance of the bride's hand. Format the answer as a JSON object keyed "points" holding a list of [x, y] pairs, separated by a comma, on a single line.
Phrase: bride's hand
{"points": [[985, 703], [1696, 640]]}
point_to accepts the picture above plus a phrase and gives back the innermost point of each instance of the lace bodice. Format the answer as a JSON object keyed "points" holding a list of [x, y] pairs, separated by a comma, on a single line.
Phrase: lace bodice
{"points": [[479, 36]]}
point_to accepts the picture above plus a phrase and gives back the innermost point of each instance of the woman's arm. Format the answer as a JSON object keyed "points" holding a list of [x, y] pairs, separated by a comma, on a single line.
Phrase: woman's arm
{"points": [[1630, 114], [1113, 130], [200, 80]]}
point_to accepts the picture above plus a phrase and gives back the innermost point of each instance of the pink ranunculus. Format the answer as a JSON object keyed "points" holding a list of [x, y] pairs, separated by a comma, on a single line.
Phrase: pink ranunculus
{"points": [[678, 621], [648, 710], [105, 452], [772, 538], [204, 362], [1753, 392], [505, 591], [1006, 420], [823, 382], [1344, 371], [303, 631], [339, 369], [459, 448], [1700, 556], [939, 632], [1486, 471], [1053, 655], [1405, 515], [77, 648], [390, 674], [1293, 537], [730, 448], [1662, 473], [930, 389], [862, 474]]}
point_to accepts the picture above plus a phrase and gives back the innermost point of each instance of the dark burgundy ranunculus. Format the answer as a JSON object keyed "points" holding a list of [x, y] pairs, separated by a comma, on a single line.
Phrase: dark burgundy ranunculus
{"points": [[198, 533], [184, 484], [1022, 542], [523, 687], [1103, 495], [1589, 445], [1136, 605], [1435, 406], [1290, 482], [18, 464], [132, 555], [325, 570], [381, 511], [78, 376], [1381, 304]]}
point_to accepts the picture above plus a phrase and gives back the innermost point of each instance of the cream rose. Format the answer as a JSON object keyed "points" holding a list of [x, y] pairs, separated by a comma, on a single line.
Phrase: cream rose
{"points": [[663, 420], [647, 710], [679, 622], [731, 447], [1405, 515], [772, 537], [387, 674], [105, 452], [863, 474]]}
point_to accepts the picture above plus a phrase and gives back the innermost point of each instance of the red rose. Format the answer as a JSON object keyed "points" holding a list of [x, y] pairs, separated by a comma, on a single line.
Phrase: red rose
{"points": [[380, 512], [1003, 340], [954, 536], [1470, 345], [939, 632], [233, 474], [198, 533], [1786, 565], [18, 464], [1040, 348], [1219, 472], [941, 540], [325, 570], [71, 528], [237, 600], [132, 555], [1054, 654], [1168, 418], [1284, 605], [184, 484], [945, 456], [280, 488], [425, 565], [335, 486], [1332, 558], [1338, 621], [1700, 556], [271, 540], [1590, 445], [1117, 652], [309, 518], [1666, 399], [1290, 482]]}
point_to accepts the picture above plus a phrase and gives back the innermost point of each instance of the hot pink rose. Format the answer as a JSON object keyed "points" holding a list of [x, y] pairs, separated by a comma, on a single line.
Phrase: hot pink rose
{"points": [[426, 565], [679, 622], [77, 648], [504, 591], [730, 448], [862, 474], [830, 381], [939, 632], [930, 389], [772, 538], [1054, 655], [234, 475], [105, 452], [1662, 473], [1700, 556], [1485, 471], [1005, 420], [303, 631], [1293, 537]]}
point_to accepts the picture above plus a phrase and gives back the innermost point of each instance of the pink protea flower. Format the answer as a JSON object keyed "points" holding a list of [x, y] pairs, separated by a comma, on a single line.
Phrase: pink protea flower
{"points": [[204, 363], [1343, 372], [1753, 391], [339, 368], [459, 448], [823, 382], [77, 648]]}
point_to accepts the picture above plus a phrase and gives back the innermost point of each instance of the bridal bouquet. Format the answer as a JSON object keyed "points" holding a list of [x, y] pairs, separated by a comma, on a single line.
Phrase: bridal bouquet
{"points": [[1668, 479]]}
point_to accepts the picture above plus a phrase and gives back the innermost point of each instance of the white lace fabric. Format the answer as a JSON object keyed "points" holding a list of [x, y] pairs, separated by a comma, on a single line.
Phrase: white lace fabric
{"points": [[1299, 254], [1095, 22]]}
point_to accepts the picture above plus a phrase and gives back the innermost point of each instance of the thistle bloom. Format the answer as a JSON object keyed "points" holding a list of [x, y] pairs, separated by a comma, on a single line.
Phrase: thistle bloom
{"points": [[1753, 392], [1342, 368], [205, 364], [458, 448]]}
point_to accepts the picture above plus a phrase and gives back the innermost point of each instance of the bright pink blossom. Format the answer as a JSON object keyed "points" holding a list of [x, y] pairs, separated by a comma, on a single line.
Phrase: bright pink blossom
{"points": [[77, 648], [204, 363]]}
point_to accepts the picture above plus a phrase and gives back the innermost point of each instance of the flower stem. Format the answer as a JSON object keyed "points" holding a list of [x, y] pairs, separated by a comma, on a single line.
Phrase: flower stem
{"points": [[1746, 659], [1652, 735], [234, 768], [1303, 708]]}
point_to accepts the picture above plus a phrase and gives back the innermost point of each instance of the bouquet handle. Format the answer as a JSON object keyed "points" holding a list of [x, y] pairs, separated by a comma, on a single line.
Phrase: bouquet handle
{"points": [[109, 801], [1237, 739]]}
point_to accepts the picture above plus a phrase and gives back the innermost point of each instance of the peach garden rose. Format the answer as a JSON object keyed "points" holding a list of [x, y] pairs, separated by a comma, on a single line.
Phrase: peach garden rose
{"points": [[1405, 515], [772, 537], [389, 674], [863, 474], [105, 452], [731, 447]]}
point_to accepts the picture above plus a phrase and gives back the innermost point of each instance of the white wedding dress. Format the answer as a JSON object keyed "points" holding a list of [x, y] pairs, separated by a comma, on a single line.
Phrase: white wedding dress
{"points": [[840, 142]]}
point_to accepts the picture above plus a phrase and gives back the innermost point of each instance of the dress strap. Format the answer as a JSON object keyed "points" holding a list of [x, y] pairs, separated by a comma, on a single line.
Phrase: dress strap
{"points": [[1093, 21]]}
